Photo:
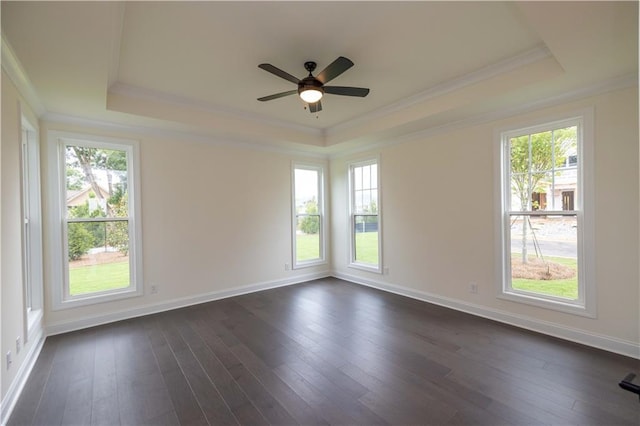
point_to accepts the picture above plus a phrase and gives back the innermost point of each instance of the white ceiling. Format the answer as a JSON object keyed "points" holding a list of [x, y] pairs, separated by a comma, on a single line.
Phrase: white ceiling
{"points": [[192, 66]]}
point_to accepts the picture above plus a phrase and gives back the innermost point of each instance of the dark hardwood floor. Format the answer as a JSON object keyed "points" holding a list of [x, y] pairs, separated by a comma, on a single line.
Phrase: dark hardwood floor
{"points": [[324, 352]]}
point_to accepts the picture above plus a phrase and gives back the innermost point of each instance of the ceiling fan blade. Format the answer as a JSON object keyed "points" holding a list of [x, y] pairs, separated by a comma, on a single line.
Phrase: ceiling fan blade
{"points": [[347, 91], [334, 69], [315, 107], [278, 95], [277, 71]]}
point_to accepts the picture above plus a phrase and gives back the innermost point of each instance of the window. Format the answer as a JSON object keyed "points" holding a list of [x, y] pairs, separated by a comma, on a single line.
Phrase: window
{"points": [[308, 213], [364, 215], [98, 216], [32, 226], [543, 217]]}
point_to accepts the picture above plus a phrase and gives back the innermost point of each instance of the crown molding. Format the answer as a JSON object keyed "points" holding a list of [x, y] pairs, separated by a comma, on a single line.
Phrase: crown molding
{"points": [[534, 55], [185, 135], [617, 83], [155, 96], [321, 152], [12, 66]]}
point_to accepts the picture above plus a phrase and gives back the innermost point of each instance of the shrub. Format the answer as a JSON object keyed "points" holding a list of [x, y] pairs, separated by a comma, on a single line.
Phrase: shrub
{"points": [[80, 240]]}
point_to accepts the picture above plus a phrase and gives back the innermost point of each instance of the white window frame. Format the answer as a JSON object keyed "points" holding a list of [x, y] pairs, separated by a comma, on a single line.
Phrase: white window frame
{"points": [[352, 234], [321, 214], [585, 305], [59, 265], [32, 275]]}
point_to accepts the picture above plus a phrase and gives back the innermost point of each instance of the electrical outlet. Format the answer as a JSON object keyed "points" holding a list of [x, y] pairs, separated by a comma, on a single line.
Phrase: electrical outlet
{"points": [[18, 346], [9, 361], [473, 287], [154, 289], [287, 267]]}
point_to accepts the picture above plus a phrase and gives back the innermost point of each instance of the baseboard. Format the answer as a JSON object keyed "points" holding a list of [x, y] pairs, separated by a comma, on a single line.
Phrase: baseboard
{"points": [[14, 391], [153, 308], [611, 344]]}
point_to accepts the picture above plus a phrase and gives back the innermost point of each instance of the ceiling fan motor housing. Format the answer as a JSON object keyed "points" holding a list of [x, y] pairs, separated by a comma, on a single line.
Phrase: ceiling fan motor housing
{"points": [[309, 83]]}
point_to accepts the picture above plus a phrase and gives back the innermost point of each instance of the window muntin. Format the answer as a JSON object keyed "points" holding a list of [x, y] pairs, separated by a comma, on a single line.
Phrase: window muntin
{"points": [[308, 210], [364, 215], [542, 218], [99, 217]]}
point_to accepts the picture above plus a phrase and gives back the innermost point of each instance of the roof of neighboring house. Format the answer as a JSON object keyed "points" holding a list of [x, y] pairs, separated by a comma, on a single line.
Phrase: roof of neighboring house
{"points": [[78, 196]]}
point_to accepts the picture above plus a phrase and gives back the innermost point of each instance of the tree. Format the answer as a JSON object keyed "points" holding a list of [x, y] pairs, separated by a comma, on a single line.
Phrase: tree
{"points": [[88, 159], [95, 230], [372, 208], [85, 161], [310, 224], [80, 240], [74, 179], [534, 159], [118, 231]]}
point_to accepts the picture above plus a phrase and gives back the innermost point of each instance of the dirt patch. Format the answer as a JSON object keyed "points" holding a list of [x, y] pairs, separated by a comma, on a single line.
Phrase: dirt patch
{"points": [[99, 259], [537, 269]]}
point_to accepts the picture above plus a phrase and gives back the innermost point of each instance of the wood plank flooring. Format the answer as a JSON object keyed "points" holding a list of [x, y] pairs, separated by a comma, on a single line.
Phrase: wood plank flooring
{"points": [[324, 352]]}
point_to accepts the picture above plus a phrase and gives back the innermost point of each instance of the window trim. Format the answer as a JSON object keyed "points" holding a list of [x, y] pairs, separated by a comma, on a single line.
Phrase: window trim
{"points": [[57, 190], [352, 263], [321, 213], [31, 212], [584, 212]]}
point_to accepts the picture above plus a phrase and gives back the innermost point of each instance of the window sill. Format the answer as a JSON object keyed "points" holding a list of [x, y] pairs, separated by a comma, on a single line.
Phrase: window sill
{"points": [[365, 267], [96, 298], [309, 264], [555, 305]]}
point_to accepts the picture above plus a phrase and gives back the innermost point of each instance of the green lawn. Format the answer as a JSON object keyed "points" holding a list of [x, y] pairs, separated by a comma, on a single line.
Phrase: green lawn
{"points": [[307, 247], [566, 288], [94, 278], [367, 247]]}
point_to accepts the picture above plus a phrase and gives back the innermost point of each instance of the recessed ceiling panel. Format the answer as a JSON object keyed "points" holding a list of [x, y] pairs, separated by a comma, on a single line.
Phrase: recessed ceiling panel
{"points": [[209, 51]]}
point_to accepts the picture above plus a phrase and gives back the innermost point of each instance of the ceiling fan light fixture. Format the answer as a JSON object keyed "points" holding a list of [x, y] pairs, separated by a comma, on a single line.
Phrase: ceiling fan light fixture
{"points": [[311, 95]]}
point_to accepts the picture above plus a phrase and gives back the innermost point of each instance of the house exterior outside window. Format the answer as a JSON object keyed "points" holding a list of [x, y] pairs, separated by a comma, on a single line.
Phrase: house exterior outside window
{"points": [[545, 220]]}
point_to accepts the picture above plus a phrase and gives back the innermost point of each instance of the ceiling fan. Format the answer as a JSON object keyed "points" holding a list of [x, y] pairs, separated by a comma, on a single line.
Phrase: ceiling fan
{"points": [[311, 89]]}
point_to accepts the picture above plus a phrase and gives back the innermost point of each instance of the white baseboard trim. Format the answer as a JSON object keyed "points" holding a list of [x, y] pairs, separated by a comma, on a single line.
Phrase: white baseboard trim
{"points": [[15, 389], [611, 344], [94, 320]]}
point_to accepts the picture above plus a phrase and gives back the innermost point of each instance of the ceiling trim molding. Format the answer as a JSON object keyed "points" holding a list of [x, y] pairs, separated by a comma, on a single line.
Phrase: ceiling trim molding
{"points": [[606, 86], [168, 133], [12, 66], [152, 95], [619, 83], [525, 58]]}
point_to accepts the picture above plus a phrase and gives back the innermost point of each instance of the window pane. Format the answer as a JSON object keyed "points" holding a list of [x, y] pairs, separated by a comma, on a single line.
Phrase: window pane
{"points": [[541, 152], [357, 178], [544, 255], [306, 191], [98, 256], [96, 182], [308, 238], [542, 191], [366, 177], [366, 239], [374, 176]]}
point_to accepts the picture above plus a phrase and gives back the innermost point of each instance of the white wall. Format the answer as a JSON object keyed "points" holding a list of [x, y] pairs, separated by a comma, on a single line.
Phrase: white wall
{"points": [[438, 214], [215, 218], [11, 284]]}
